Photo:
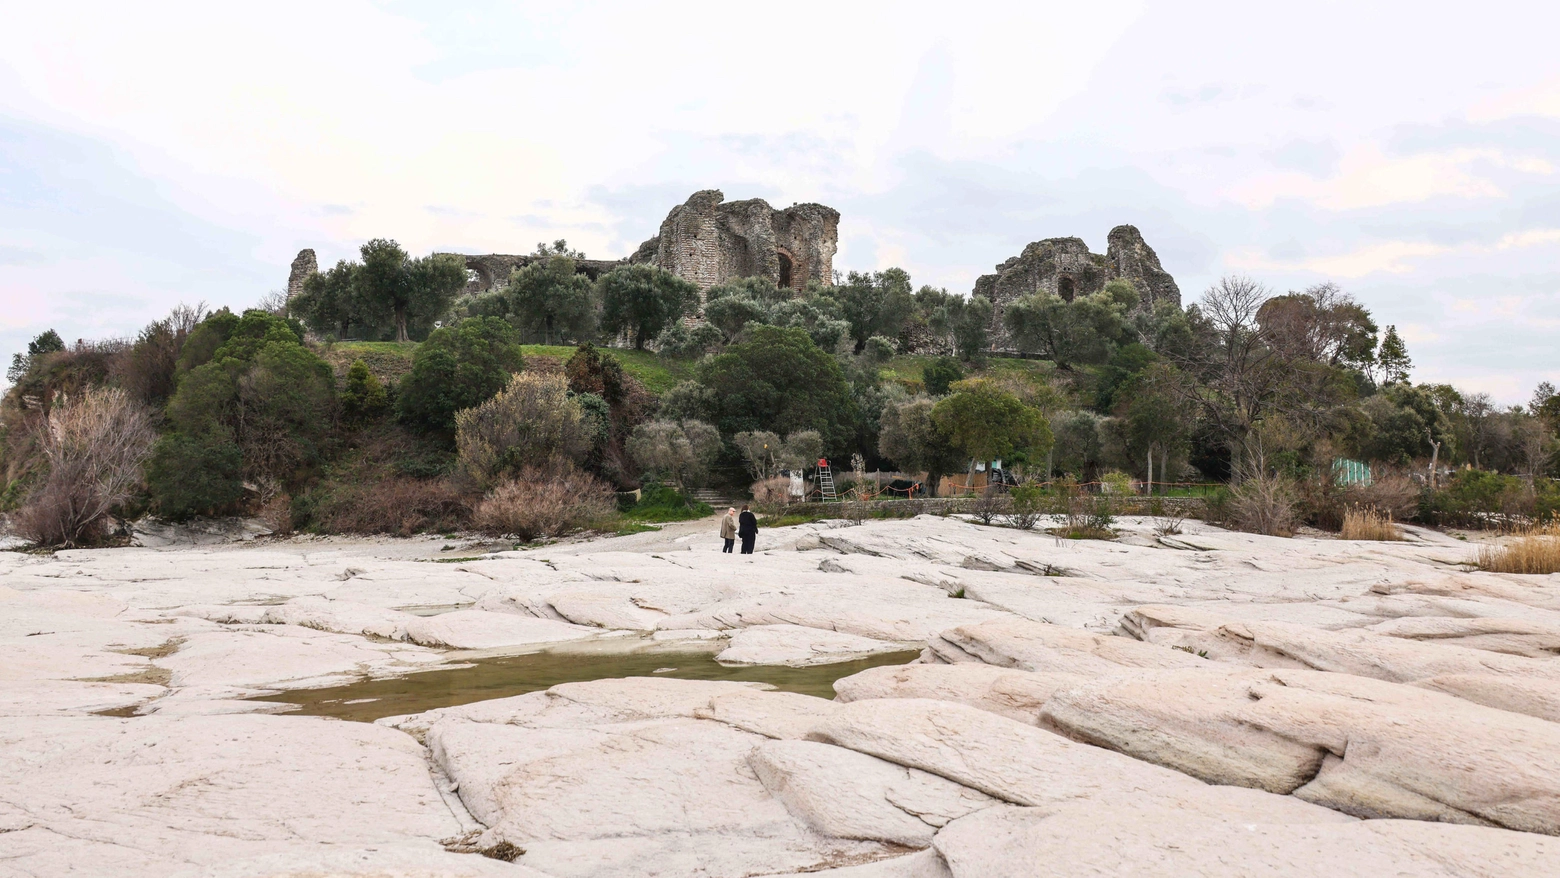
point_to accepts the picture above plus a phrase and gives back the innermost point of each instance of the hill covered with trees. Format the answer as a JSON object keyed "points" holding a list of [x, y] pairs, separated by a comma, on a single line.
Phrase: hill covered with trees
{"points": [[383, 399]]}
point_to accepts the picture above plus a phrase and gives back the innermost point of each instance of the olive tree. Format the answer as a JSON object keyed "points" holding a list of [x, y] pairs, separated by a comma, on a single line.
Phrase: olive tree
{"points": [[680, 452]]}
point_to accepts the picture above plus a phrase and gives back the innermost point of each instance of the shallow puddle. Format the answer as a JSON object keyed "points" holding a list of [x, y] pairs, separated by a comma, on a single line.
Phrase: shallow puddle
{"points": [[483, 679]]}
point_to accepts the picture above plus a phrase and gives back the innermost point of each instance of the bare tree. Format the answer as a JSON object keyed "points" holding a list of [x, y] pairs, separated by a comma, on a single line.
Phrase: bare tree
{"points": [[1240, 374], [94, 445], [1236, 373]]}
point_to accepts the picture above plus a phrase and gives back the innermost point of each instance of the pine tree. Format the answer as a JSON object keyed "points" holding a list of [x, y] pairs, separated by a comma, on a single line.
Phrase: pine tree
{"points": [[1393, 359]]}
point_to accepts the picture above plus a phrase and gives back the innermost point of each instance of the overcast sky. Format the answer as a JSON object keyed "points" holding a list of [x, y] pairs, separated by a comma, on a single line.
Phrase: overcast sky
{"points": [[163, 152]]}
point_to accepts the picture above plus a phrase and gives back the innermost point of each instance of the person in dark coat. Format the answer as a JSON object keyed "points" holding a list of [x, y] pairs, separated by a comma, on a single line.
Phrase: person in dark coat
{"points": [[747, 529]]}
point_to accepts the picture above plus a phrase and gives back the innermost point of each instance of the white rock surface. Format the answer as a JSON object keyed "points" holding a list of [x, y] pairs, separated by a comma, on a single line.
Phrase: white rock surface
{"points": [[1357, 745], [155, 796], [1017, 763], [1093, 839], [845, 794], [1540, 698], [1018, 695], [587, 785], [474, 629], [1360, 652], [797, 646], [1038, 646], [639, 776]]}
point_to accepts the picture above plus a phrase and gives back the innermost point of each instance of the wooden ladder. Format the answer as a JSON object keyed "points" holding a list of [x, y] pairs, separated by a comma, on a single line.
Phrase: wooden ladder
{"points": [[826, 483]]}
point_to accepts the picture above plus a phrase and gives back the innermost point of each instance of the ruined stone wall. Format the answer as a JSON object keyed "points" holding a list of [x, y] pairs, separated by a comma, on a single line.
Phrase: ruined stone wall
{"points": [[493, 269], [1131, 257], [304, 266], [705, 240], [1065, 267], [708, 241]]}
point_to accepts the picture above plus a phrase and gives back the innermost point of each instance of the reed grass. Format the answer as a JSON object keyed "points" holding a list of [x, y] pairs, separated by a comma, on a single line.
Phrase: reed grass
{"points": [[1533, 550], [1369, 524]]}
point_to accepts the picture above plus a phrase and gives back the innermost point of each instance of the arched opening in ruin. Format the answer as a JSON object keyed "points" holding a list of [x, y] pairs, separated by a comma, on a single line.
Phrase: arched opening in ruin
{"points": [[1067, 288], [785, 269]]}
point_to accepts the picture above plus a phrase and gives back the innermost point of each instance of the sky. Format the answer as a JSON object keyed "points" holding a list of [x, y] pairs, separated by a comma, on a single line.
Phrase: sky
{"points": [[152, 154]]}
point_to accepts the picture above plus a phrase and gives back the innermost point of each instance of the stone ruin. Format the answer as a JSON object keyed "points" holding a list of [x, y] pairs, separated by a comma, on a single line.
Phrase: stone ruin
{"points": [[304, 266], [708, 240], [493, 269], [1064, 267]]}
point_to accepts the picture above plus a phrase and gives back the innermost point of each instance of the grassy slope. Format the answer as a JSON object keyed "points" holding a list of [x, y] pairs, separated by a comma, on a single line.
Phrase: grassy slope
{"points": [[909, 367], [389, 360], [658, 374]]}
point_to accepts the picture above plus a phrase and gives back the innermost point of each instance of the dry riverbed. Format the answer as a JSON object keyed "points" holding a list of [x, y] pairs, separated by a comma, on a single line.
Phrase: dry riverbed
{"points": [[1209, 703]]}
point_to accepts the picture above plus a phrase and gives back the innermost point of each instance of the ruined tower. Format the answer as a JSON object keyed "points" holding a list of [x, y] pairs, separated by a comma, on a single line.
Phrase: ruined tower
{"points": [[708, 241], [1064, 267], [303, 266]]}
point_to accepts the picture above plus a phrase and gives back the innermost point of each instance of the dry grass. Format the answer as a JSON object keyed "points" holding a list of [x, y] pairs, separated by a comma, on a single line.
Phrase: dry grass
{"points": [[1264, 504], [94, 444], [772, 493], [393, 505], [1535, 550], [1369, 524]]}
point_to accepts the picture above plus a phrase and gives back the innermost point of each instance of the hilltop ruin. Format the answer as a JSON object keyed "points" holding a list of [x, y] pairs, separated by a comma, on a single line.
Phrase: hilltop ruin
{"points": [[709, 241], [705, 240]]}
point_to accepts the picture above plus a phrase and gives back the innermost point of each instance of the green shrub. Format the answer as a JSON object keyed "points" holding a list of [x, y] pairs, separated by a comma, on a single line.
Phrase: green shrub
{"points": [[458, 367], [664, 503], [940, 374], [1478, 498], [363, 398], [1027, 505], [190, 475]]}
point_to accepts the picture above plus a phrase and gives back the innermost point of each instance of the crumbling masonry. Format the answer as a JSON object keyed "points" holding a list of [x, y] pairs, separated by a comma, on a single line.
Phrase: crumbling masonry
{"points": [[709, 241], [1064, 267]]}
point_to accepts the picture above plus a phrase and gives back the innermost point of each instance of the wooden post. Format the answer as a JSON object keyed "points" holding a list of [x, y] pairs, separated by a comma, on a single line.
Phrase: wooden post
{"points": [[1435, 456]]}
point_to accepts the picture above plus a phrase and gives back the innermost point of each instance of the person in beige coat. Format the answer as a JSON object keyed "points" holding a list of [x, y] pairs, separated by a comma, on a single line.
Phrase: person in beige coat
{"points": [[728, 529]]}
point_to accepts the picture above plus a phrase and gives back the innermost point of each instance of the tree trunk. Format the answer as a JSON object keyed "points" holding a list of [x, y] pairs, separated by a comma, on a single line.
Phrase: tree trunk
{"points": [[1149, 487], [933, 480], [400, 325]]}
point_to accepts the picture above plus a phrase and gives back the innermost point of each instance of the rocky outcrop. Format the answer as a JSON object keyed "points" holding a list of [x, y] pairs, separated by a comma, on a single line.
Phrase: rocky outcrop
{"points": [[304, 266], [1064, 267], [708, 240]]}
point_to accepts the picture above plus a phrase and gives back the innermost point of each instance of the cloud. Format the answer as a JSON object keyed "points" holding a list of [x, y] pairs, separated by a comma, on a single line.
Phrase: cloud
{"points": [[1345, 147]]}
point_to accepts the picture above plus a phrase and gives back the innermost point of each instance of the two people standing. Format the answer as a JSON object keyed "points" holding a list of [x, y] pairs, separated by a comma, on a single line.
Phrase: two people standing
{"points": [[744, 526]]}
